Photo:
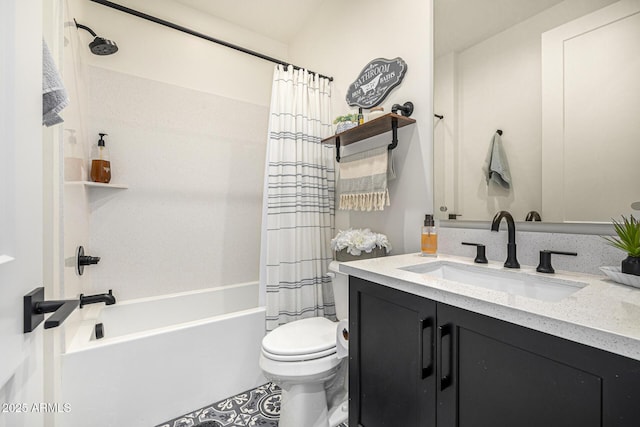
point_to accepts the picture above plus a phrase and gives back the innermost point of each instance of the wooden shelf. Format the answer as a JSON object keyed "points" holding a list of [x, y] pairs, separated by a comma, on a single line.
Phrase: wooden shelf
{"points": [[374, 127]]}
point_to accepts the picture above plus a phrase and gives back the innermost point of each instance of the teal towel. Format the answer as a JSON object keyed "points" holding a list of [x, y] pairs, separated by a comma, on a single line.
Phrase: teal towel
{"points": [[496, 166]]}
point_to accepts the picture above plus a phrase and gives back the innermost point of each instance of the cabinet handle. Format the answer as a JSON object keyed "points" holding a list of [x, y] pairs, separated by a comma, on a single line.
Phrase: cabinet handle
{"points": [[428, 370], [445, 331]]}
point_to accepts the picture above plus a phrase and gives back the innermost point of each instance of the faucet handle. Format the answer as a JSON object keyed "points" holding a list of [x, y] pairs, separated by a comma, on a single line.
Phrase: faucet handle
{"points": [[481, 258], [545, 260]]}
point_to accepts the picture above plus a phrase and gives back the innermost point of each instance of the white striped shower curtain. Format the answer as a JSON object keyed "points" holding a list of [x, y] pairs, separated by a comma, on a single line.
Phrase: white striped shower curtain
{"points": [[299, 205]]}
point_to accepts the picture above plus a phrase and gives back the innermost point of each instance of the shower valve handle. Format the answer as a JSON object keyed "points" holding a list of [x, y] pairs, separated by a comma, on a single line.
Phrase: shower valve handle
{"points": [[82, 260]]}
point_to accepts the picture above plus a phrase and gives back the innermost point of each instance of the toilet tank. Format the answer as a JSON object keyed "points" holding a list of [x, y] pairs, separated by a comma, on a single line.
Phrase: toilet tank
{"points": [[340, 283]]}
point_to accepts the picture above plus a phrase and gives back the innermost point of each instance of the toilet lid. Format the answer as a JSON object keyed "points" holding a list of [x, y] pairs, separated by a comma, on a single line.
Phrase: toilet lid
{"points": [[297, 340]]}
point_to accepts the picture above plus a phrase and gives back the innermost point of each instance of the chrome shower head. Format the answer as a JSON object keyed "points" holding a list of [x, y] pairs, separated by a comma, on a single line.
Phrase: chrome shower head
{"points": [[99, 45]]}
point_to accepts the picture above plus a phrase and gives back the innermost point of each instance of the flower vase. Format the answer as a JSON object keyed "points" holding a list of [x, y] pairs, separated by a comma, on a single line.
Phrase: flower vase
{"points": [[631, 265]]}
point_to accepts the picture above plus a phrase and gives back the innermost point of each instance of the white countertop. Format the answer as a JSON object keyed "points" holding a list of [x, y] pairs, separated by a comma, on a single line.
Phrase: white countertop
{"points": [[603, 314]]}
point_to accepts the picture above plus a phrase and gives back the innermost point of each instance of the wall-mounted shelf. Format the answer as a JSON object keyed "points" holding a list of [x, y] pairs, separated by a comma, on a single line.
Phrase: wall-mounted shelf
{"points": [[377, 126], [90, 184], [5, 259]]}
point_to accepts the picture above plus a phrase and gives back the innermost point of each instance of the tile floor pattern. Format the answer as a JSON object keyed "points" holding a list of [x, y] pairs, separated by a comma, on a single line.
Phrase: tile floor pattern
{"points": [[259, 407]]}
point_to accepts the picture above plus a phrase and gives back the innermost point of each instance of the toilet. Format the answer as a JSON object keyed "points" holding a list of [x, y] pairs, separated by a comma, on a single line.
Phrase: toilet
{"points": [[302, 358]]}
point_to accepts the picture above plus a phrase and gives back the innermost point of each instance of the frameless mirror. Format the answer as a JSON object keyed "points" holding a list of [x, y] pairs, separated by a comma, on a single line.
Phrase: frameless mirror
{"points": [[561, 79]]}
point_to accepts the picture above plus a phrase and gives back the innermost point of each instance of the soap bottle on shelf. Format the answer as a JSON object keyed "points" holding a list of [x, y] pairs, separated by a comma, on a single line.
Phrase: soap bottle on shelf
{"points": [[100, 164], [429, 240], [74, 160], [360, 116]]}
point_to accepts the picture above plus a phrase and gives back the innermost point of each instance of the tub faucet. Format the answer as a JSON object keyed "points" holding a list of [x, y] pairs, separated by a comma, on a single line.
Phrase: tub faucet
{"points": [[512, 261], [108, 299]]}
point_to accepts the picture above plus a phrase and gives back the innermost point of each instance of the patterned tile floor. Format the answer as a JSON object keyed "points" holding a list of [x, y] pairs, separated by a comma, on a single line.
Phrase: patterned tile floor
{"points": [[259, 407]]}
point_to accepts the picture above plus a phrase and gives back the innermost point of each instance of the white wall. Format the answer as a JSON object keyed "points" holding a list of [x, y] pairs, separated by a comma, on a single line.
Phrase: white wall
{"points": [[187, 125], [342, 38], [194, 164], [21, 221], [155, 52], [498, 86]]}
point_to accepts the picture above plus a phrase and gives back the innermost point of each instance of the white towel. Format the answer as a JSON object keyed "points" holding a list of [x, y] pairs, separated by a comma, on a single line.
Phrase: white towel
{"points": [[496, 166], [363, 180], [54, 95]]}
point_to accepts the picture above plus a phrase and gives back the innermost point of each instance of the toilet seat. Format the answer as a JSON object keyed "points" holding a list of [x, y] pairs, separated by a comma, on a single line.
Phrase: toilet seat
{"points": [[305, 339], [299, 357]]}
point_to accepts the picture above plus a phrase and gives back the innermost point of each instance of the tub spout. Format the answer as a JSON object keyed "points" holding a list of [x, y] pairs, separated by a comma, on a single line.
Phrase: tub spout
{"points": [[108, 299]]}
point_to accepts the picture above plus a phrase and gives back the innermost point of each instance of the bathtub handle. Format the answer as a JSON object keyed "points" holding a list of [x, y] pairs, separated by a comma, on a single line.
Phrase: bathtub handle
{"points": [[35, 308]]}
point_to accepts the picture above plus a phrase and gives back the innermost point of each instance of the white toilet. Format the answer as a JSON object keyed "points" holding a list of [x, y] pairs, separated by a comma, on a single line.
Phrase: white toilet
{"points": [[301, 357]]}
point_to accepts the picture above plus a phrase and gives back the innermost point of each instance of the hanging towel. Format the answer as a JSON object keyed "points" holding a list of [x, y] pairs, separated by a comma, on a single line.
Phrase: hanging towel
{"points": [[363, 180], [496, 166], [54, 95]]}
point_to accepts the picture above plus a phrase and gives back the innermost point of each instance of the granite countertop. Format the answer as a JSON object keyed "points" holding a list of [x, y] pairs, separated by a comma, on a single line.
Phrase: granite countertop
{"points": [[602, 314]]}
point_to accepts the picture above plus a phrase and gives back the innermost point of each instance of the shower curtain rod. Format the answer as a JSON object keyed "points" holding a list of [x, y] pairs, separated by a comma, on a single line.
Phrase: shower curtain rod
{"points": [[197, 34]]}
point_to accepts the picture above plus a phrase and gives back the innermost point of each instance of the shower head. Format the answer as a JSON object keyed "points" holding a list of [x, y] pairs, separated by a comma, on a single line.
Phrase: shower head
{"points": [[99, 45]]}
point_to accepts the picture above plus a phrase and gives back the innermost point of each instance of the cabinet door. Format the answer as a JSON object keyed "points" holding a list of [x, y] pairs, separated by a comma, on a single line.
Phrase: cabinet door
{"points": [[391, 357], [498, 374]]}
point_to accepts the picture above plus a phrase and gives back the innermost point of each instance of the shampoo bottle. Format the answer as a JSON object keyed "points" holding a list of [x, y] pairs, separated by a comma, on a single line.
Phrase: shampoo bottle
{"points": [[429, 241], [100, 164]]}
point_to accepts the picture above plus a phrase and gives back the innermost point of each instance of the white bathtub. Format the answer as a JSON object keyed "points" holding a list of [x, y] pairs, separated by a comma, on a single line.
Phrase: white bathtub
{"points": [[162, 357]]}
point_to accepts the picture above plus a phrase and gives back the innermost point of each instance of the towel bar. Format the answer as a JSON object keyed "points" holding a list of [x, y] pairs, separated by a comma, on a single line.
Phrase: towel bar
{"points": [[377, 126]]}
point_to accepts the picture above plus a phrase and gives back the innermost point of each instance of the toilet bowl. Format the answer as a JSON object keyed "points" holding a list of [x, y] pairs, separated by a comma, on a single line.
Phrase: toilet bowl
{"points": [[301, 357]]}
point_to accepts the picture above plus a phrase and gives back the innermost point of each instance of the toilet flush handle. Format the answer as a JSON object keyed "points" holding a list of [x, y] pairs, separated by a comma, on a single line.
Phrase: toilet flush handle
{"points": [[331, 274]]}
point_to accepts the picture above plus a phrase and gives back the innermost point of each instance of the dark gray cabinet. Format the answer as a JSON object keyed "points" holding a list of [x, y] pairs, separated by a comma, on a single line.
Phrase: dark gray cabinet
{"points": [[415, 362]]}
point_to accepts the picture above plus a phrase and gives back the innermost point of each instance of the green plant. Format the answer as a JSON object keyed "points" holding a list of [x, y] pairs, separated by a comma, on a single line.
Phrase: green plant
{"points": [[347, 118], [628, 231]]}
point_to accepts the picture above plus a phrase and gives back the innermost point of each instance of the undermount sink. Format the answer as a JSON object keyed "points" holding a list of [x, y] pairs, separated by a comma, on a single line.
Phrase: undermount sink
{"points": [[511, 282]]}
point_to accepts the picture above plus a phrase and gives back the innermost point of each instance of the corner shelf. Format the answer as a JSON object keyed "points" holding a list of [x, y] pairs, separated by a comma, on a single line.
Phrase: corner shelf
{"points": [[5, 259], [91, 184], [377, 126]]}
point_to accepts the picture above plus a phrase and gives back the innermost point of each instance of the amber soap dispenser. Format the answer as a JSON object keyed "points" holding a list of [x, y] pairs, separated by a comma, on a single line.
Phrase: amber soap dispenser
{"points": [[429, 240], [100, 164]]}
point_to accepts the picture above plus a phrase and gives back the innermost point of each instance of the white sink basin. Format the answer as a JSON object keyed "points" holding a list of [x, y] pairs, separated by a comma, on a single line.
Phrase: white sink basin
{"points": [[512, 282]]}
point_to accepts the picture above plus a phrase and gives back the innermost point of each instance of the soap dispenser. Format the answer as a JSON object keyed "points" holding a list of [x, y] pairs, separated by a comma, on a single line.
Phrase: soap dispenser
{"points": [[100, 164], [429, 240], [74, 159]]}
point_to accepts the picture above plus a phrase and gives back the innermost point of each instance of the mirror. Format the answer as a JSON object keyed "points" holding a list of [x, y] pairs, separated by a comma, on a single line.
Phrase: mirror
{"points": [[561, 79]]}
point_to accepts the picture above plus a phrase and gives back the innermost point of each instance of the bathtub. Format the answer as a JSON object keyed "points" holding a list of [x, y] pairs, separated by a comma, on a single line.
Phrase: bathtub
{"points": [[162, 357]]}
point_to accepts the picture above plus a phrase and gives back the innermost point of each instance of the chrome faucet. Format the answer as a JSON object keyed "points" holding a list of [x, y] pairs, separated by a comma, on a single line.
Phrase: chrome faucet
{"points": [[512, 260]]}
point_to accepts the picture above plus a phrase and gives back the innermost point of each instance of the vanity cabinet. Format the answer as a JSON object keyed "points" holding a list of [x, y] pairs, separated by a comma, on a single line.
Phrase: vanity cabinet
{"points": [[416, 362], [391, 357]]}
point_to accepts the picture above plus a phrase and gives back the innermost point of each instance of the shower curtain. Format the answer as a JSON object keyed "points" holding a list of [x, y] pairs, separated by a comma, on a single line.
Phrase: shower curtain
{"points": [[299, 205]]}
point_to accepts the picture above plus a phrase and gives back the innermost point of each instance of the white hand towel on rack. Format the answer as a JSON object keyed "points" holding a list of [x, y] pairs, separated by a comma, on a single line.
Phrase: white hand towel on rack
{"points": [[496, 166], [363, 180]]}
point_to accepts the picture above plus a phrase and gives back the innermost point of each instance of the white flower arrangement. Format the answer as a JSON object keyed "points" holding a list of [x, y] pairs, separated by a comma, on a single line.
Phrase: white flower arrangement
{"points": [[359, 240]]}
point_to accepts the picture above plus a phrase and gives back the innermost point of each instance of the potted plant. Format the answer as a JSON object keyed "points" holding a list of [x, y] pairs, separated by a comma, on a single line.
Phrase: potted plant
{"points": [[345, 122], [628, 240], [350, 245]]}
